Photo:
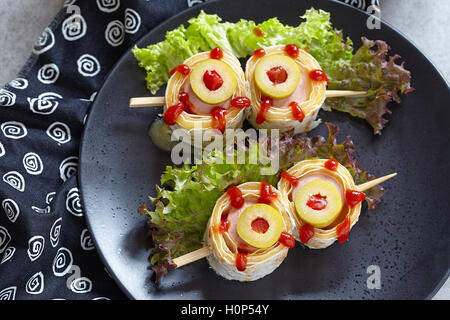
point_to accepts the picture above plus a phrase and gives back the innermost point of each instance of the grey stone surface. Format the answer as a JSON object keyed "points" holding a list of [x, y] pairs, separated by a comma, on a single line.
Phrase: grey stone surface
{"points": [[21, 23], [423, 21]]}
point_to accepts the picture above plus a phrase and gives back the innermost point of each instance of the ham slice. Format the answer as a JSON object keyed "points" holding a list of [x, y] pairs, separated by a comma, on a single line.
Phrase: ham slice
{"points": [[199, 106], [233, 217], [300, 94]]}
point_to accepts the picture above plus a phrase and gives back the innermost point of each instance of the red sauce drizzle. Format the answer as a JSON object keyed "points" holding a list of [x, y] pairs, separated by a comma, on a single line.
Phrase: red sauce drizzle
{"points": [[236, 198], [257, 31], [317, 202], [266, 193], [354, 197], [181, 68], [292, 50], [265, 105], [224, 225], [318, 75], [172, 113], [260, 225], [289, 177], [242, 249], [343, 230], [216, 53], [219, 120], [277, 74], [184, 99], [241, 261], [297, 111], [212, 80], [331, 164], [259, 53], [287, 240], [306, 232], [240, 102]]}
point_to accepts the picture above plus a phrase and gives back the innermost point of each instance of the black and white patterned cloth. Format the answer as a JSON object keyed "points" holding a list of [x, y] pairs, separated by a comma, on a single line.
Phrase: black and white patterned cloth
{"points": [[45, 248]]}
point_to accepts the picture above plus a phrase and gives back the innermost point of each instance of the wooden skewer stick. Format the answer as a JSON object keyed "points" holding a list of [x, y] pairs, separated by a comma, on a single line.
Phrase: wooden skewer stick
{"points": [[144, 102], [374, 182], [206, 251], [344, 93], [192, 256]]}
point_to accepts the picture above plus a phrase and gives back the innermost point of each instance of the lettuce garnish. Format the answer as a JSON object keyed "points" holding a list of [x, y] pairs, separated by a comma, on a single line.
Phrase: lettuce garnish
{"points": [[185, 201], [187, 195], [366, 69]]}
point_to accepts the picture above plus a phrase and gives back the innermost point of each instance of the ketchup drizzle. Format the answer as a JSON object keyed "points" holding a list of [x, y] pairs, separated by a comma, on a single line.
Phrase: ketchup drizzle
{"points": [[172, 113], [297, 111], [277, 74], [241, 261], [240, 102], [289, 177], [318, 75], [354, 197], [266, 193], [265, 105], [306, 232], [260, 225], [287, 240], [236, 198], [343, 230], [212, 80], [184, 99], [224, 226], [331, 164], [219, 120], [292, 50], [216, 53], [257, 31], [317, 202], [259, 53], [181, 68]]}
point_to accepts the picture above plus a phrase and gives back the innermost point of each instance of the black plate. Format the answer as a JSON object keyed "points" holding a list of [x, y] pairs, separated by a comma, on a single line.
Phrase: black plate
{"points": [[407, 236]]}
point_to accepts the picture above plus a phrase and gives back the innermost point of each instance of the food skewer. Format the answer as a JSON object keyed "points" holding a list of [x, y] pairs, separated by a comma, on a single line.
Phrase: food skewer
{"points": [[192, 256], [374, 182], [144, 102], [211, 89], [206, 251], [344, 93]]}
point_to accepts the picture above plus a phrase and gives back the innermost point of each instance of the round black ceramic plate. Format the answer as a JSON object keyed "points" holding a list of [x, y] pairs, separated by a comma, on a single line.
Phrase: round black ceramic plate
{"points": [[407, 236]]}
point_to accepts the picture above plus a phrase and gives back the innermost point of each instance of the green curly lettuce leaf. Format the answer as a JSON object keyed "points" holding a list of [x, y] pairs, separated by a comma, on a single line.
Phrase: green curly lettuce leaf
{"points": [[365, 69], [369, 70], [185, 202], [187, 195]]}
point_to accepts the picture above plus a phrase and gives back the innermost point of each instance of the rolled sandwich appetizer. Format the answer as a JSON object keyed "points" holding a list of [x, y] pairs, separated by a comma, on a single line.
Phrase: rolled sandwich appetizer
{"points": [[287, 88], [249, 232], [208, 90], [322, 199]]}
